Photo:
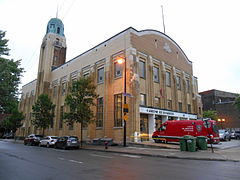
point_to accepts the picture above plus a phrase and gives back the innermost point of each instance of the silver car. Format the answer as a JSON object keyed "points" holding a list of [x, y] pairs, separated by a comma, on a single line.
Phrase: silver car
{"points": [[224, 135], [48, 141]]}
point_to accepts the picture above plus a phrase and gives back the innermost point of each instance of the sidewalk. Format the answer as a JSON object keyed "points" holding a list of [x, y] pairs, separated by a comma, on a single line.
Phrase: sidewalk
{"points": [[229, 153], [226, 151]]}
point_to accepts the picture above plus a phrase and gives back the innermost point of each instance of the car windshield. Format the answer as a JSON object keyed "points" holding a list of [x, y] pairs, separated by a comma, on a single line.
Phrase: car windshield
{"points": [[73, 138], [54, 137], [39, 136], [221, 131]]}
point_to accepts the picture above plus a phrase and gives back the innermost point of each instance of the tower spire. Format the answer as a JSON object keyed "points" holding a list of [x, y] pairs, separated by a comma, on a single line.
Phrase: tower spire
{"points": [[57, 12]]}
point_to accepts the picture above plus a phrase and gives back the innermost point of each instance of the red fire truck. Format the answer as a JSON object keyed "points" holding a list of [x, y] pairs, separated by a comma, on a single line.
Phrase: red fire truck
{"points": [[172, 130]]}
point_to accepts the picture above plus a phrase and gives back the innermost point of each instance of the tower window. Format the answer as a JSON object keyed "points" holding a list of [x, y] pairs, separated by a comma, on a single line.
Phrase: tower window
{"points": [[58, 30]]}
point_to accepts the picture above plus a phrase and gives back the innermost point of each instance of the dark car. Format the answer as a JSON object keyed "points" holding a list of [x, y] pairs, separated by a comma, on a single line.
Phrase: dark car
{"points": [[33, 140], [67, 142]]}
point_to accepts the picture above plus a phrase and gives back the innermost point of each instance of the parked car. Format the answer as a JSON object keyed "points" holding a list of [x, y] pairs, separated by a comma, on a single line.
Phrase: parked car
{"points": [[33, 140], [224, 135], [48, 141], [235, 134], [8, 135], [66, 142]]}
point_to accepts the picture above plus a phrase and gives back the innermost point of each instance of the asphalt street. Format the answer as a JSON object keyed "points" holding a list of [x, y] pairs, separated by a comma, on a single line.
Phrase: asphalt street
{"points": [[19, 162]]}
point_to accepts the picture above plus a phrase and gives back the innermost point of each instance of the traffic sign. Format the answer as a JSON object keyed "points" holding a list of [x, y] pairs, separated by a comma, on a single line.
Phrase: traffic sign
{"points": [[125, 108], [125, 117]]}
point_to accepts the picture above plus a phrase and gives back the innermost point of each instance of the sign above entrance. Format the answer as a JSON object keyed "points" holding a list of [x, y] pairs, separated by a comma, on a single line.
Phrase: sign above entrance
{"points": [[166, 113]]}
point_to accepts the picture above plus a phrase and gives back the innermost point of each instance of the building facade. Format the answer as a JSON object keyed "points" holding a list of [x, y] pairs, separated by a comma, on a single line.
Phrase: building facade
{"points": [[222, 103], [158, 78]]}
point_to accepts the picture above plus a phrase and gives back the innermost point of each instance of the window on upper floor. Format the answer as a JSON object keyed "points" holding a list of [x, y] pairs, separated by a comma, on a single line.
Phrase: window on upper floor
{"points": [[178, 82], [168, 78], [188, 85], [55, 91], [118, 68], [156, 74], [63, 88], [142, 69], [100, 75]]}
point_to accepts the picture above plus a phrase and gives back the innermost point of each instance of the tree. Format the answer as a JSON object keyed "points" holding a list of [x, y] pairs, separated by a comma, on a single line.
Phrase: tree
{"points": [[237, 103], [43, 112], [10, 73], [80, 100], [12, 122], [210, 114]]}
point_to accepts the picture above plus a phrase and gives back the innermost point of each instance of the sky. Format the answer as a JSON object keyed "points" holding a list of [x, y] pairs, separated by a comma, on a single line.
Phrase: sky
{"points": [[206, 30]]}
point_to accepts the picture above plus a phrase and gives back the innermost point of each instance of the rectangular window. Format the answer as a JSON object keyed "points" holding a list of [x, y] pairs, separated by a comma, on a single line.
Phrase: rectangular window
{"points": [[118, 110], [178, 82], [100, 75], [188, 85], [156, 74], [55, 91], [99, 120], [157, 102], [180, 107], [143, 99], [169, 104], [70, 126], [142, 69], [189, 108], [63, 88], [61, 118], [168, 78], [118, 68]]}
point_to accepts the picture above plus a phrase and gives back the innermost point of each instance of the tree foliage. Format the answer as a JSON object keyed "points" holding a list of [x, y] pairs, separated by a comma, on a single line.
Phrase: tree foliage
{"points": [[210, 114], [12, 122], [80, 100], [43, 112], [10, 73], [3, 44], [237, 103]]}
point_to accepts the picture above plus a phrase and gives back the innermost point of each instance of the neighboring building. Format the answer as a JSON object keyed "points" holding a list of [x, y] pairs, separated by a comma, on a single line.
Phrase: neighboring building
{"points": [[222, 103], [159, 83]]}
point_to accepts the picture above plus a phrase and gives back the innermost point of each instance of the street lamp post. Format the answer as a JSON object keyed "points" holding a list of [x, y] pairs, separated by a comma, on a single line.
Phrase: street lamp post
{"points": [[120, 61]]}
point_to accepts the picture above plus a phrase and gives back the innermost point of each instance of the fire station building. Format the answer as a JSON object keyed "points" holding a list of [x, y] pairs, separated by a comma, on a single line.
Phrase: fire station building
{"points": [[158, 76]]}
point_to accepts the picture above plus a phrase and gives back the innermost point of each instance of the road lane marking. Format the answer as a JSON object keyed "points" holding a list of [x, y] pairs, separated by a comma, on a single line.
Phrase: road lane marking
{"points": [[96, 155], [131, 156], [59, 150], [79, 162]]}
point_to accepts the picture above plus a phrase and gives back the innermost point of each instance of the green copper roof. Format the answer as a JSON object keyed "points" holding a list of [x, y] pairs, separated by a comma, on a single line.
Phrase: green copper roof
{"points": [[56, 26]]}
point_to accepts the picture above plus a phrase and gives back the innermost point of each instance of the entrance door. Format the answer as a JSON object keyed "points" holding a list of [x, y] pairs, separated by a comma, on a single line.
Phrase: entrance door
{"points": [[144, 130]]}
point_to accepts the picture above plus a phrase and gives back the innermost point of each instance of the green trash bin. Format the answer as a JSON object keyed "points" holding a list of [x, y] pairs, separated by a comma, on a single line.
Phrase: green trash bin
{"points": [[202, 142], [183, 144], [191, 143]]}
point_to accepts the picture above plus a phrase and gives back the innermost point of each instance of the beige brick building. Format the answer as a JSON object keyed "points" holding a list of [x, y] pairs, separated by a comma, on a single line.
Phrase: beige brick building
{"points": [[159, 83]]}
